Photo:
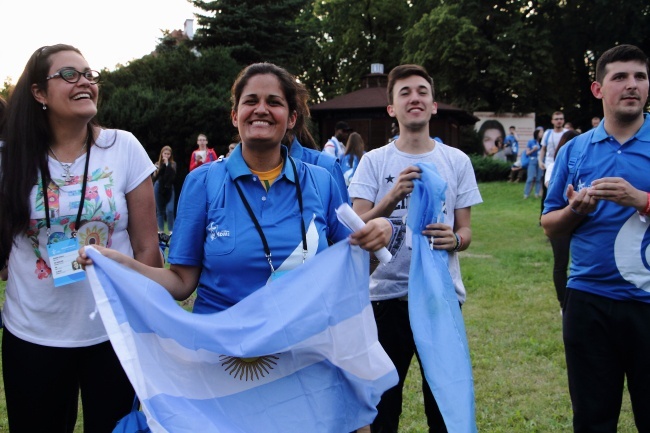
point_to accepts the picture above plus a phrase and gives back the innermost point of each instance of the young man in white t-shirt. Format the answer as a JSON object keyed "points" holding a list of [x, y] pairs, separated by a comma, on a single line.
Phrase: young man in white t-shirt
{"points": [[550, 141], [380, 188]]}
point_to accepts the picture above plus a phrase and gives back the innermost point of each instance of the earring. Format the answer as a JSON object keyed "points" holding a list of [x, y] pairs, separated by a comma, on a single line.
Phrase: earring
{"points": [[44, 106]]}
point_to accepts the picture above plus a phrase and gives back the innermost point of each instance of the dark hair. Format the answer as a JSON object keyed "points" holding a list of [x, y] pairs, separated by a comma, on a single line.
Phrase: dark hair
{"points": [[290, 86], [27, 136], [620, 53], [301, 130], [3, 106], [491, 124], [405, 71], [288, 82], [566, 137], [354, 147]]}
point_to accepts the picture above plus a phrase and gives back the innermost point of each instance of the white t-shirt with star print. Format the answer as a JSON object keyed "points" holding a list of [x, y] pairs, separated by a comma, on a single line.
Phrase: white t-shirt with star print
{"points": [[377, 173]]}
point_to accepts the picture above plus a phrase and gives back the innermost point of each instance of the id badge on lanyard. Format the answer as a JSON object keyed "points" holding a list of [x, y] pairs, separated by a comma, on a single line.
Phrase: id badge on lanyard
{"points": [[63, 262], [63, 253]]}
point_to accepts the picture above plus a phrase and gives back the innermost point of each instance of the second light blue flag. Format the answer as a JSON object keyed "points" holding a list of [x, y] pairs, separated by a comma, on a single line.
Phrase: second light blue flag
{"points": [[436, 320]]}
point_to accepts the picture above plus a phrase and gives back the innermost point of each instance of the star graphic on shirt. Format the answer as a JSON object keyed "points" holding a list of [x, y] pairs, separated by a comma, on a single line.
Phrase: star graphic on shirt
{"points": [[389, 179]]}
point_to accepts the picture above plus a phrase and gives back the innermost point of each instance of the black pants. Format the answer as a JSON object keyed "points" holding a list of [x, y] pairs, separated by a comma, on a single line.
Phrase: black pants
{"points": [[396, 337], [605, 341], [561, 251], [42, 387]]}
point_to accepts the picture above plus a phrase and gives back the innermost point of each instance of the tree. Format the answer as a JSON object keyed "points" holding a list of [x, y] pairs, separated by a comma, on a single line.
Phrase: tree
{"points": [[168, 98], [254, 30], [352, 35], [483, 55], [580, 31]]}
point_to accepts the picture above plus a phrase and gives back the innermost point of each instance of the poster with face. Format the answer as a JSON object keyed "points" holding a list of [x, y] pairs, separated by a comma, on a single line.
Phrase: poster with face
{"points": [[492, 126]]}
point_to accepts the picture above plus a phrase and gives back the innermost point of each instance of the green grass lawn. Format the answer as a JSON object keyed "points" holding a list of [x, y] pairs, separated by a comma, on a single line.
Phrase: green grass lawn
{"points": [[513, 323]]}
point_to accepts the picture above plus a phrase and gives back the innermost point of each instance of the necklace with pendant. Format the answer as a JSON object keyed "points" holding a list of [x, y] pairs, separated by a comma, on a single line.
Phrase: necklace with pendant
{"points": [[67, 165]]}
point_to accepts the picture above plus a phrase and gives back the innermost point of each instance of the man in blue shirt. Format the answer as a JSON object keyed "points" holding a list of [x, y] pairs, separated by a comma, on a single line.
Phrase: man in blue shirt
{"points": [[512, 142], [599, 196]]}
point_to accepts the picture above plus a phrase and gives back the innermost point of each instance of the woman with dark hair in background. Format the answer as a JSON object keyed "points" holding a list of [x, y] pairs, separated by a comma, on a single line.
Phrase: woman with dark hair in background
{"points": [[69, 183], [163, 187], [354, 150], [560, 245]]}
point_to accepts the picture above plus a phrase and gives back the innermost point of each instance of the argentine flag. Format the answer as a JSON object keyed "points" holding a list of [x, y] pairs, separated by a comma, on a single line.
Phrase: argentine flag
{"points": [[436, 320], [298, 355]]}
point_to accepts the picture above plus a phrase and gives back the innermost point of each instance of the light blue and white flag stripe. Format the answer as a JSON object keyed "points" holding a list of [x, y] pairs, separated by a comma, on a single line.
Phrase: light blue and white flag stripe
{"points": [[436, 320], [300, 354]]}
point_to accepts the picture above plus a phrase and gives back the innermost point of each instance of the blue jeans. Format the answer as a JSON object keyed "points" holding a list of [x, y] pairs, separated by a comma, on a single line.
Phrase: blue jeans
{"points": [[164, 211], [534, 174]]}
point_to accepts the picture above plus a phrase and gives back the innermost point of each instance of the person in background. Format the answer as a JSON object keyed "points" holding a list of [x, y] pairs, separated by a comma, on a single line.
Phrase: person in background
{"points": [[491, 133], [335, 146], [380, 188], [231, 147], [302, 146], [595, 121], [599, 196], [511, 144], [163, 178], [70, 183], [3, 106], [550, 141], [561, 245], [3, 266], [203, 153], [534, 175], [354, 150]]}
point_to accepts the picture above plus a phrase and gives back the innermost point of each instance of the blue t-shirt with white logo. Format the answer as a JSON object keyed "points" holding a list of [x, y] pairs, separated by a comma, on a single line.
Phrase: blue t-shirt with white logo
{"points": [[214, 230], [610, 250]]}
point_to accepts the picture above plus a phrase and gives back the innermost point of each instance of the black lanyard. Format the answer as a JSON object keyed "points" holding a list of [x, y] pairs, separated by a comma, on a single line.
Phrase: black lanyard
{"points": [[267, 250], [81, 200]]}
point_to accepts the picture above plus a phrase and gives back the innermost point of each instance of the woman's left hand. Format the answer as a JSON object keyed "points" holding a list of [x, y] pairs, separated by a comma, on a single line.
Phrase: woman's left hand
{"points": [[375, 235]]}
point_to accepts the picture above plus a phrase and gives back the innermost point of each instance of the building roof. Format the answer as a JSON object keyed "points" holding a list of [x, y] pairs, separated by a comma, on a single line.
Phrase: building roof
{"points": [[375, 98]]}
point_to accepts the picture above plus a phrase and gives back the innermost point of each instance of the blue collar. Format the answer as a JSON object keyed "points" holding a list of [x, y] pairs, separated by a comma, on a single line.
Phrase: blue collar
{"points": [[296, 150], [643, 134], [237, 167]]}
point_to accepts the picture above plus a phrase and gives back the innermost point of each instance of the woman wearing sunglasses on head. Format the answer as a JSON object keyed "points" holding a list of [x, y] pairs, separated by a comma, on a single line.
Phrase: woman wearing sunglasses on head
{"points": [[97, 190]]}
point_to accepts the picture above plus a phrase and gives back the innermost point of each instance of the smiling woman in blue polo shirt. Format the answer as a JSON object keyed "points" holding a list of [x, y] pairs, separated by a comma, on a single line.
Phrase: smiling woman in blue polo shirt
{"points": [[250, 218]]}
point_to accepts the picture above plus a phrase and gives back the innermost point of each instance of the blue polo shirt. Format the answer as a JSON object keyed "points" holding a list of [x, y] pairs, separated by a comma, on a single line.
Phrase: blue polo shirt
{"points": [[609, 250], [321, 159], [510, 140], [214, 230]]}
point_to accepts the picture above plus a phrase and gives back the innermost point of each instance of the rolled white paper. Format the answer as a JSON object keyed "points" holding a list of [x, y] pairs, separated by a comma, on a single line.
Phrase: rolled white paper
{"points": [[348, 217]]}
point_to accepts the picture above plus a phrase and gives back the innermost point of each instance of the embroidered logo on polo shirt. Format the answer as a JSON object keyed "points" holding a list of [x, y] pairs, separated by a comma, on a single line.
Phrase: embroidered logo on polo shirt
{"points": [[582, 184], [214, 231]]}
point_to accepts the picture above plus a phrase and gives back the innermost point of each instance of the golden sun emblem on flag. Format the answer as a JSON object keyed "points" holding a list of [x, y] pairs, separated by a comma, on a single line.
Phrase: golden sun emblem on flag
{"points": [[248, 368]]}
